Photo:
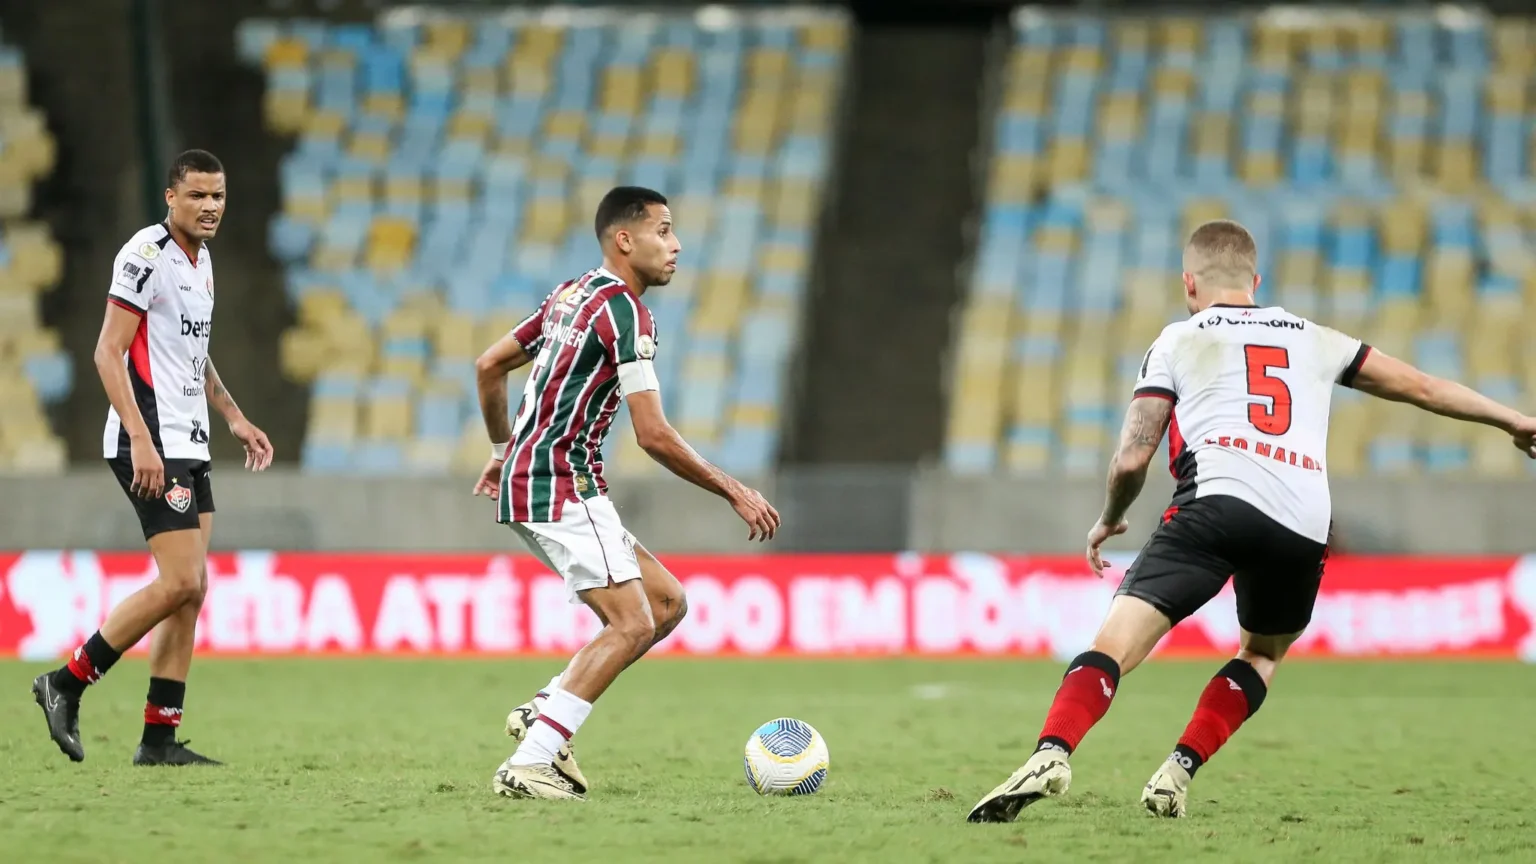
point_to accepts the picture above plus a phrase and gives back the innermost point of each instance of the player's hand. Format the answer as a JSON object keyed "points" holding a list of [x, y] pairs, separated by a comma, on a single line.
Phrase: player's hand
{"points": [[755, 510], [148, 470], [1096, 538], [258, 450], [1525, 436], [489, 483]]}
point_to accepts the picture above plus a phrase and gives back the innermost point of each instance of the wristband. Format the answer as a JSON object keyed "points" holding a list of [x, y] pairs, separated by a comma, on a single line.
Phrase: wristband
{"points": [[499, 451]]}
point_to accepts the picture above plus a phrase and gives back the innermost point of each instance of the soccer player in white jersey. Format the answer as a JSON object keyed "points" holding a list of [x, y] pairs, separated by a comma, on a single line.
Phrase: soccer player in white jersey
{"points": [[591, 343], [152, 356], [1243, 392]]}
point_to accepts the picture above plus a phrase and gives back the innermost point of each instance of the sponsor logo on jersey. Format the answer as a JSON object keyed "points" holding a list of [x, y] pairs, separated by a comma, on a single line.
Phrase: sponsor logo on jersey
{"points": [[570, 298], [178, 496], [581, 482], [1279, 323], [195, 329]]}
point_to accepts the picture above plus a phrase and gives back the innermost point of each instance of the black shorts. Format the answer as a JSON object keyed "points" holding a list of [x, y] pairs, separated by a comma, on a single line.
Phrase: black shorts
{"points": [[188, 492], [1275, 571]]}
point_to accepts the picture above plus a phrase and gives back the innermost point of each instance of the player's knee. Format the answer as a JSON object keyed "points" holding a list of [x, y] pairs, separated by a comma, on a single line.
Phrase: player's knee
{"points": [[636, 628], [183, 585], [669, 612]]}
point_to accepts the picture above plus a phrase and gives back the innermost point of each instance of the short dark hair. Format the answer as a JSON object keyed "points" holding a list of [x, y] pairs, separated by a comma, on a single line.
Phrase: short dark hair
{"points": [[625, 204], [193, 161]]}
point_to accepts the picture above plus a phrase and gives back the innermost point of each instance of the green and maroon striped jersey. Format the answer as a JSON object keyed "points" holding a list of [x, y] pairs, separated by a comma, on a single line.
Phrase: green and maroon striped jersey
{"points": [[579, 337]]}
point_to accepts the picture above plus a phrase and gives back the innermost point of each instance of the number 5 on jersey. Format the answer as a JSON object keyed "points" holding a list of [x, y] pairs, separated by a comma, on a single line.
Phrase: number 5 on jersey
{"points": [[1273, 418]]}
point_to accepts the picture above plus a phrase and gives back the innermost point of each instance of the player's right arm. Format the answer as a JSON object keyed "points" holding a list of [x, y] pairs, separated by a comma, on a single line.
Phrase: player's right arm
{"points": [[512, 351], [128, 302], [1386, 377]]}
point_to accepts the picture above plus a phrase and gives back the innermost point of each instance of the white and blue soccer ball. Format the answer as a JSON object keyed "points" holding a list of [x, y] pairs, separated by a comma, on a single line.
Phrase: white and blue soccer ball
{"points": [[786, 757]]}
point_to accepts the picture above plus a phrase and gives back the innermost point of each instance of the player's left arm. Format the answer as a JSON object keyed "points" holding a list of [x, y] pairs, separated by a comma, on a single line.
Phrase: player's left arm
{"points": [[258, 449]]}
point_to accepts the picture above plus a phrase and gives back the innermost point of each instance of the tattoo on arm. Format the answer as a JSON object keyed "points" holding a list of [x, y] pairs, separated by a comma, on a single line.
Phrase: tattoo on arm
{"points": [[218, 395], [1145, 423]]}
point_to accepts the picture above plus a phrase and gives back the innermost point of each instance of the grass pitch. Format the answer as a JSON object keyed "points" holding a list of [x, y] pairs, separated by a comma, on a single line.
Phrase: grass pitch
{"points": [[391, 760]]}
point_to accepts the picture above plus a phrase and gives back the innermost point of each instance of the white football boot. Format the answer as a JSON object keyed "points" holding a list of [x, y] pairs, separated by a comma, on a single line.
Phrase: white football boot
{"points": [[534, 781], [1167, 791], [565, 761], [1045, 775]]}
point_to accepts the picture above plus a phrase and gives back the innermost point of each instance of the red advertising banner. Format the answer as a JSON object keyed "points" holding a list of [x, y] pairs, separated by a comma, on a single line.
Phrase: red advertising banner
{"points": [[962, 604]]}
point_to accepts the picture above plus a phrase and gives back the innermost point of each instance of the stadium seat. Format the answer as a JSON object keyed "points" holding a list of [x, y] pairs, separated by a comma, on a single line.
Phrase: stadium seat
{"points": [[459, 158], [1381, 159]]}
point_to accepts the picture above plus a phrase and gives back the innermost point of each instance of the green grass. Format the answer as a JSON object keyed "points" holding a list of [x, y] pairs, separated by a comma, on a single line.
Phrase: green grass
{"points": [[381, 760]]}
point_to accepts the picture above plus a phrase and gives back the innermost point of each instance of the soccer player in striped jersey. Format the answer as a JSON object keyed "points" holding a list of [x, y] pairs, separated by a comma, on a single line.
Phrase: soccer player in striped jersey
{"points": [[591, 343]]}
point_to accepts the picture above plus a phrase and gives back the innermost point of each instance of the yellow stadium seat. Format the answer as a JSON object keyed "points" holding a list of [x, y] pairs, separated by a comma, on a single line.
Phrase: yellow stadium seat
{"points": [[446, 37], [672, 73], [1170, 81], [316, 308], [384, 104], [754, 416], [1261, 168], [824, 36], [333, 419], [1180, 34], [286, 52], [470, 125], [302, 353], [482, 80], [768, 67], [1036, 400], [386, 419], [1456, 165], [1030, 100], [453, 336], [285, 110]]}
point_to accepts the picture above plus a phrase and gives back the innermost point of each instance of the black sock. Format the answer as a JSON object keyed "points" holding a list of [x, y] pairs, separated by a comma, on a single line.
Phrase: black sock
{"points": [[1187, 757], [162, 710], [89, 663]]}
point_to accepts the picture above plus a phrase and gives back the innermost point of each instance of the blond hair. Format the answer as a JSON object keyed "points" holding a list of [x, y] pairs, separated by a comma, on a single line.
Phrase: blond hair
{"points": [[1222, 254]]}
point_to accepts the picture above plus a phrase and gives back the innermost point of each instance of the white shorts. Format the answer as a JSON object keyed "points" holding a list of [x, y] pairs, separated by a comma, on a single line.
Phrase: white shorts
{"points": [[588, 547]]}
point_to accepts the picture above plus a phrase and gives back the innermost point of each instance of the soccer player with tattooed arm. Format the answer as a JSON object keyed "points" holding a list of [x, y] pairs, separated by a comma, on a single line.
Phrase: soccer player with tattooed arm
{"points": [[1243, 393], [591, 343]]}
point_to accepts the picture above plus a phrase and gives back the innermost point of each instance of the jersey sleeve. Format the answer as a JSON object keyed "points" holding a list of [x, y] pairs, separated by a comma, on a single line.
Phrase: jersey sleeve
{"points": [[628, 334], [1155, 378], [133, 284], [1345, 354], [529, 332]]}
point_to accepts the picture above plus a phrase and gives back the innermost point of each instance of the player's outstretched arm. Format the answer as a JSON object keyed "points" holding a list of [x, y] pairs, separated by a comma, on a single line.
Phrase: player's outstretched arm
{"points": [[117, 331], [258, 450], [1386, 377], [657, 438], [1145, 423], [491, 370]]}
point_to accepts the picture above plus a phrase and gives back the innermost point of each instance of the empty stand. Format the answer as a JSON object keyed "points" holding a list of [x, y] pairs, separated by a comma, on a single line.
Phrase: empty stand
{"points": [[34, 370], [444, 175], [1383, 162]]}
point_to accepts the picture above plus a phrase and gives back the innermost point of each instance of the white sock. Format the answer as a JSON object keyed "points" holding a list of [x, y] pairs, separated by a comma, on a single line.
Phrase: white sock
{"points": [[542, 696], [559, 720]]}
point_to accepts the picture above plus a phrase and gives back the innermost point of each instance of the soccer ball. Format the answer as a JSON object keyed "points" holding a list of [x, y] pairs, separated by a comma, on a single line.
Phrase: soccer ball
{"points": [[786, 757]]}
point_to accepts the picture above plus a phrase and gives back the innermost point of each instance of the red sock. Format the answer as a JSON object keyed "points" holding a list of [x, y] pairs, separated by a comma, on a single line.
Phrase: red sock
{"points": [[1081, 701], [1233, 696]]}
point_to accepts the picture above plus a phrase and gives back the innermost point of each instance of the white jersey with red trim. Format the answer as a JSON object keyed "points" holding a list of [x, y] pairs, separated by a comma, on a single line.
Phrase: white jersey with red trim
{"points": [[1252, 388], [173, 296]]}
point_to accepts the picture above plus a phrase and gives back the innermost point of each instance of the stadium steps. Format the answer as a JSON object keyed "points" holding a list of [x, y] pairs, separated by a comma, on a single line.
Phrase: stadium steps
{"points": [[224, 103], [94, 200], [892, 243]]}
